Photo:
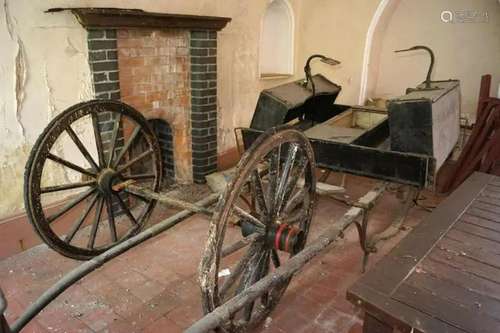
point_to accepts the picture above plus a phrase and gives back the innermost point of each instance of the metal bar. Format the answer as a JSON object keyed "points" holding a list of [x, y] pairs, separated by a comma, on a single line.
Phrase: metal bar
{"points": [[167, 199], [224, 312], [89, 266]]}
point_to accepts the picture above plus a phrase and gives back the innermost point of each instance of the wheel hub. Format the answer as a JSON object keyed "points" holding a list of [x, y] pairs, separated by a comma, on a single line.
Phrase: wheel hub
{"points": [[283, 237], [105, 180]]}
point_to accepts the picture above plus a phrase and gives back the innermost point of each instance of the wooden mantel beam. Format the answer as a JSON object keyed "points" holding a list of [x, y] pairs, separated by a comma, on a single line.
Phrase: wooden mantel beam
{"points": [[137, 18]]}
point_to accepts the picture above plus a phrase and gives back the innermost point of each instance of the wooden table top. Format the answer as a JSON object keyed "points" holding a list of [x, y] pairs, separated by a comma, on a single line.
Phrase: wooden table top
{"points": [[445, 275]]}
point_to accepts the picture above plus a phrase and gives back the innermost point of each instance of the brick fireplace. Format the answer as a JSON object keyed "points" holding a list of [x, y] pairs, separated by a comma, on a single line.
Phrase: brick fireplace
{"points": [[165, 66]]}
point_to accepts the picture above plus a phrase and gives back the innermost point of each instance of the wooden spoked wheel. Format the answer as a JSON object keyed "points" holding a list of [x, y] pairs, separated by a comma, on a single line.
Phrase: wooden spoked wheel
{"points": [[262, 220], [75, 193]]}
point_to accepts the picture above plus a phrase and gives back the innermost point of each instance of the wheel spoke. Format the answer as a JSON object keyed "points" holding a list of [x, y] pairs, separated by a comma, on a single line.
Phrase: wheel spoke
{"points": [[135, 160], [111, 220], [275, 258], [126, 210], [98, 139], [141, 197], [82, 148], [230, 249], [259, 192], [57, 188], [127, 145], [247, 217], [78, 224], [114, 138], [273, 175], [252, 274], [70, 205], [95, 225], [238, 269], [297, 173], [70, 165], [294, 201], [287, 168]]}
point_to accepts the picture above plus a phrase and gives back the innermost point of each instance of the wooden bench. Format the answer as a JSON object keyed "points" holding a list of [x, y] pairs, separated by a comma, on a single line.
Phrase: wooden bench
{"points": [[445, 275]]}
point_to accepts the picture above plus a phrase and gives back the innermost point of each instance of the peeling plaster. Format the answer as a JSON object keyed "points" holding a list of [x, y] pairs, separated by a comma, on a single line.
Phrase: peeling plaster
{"points": [[8, 20], [21, 76], [20, 68]]}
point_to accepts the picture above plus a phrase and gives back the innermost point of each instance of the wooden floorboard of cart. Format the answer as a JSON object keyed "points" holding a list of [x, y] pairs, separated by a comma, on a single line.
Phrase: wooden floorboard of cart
{"points": [[445, 275]]}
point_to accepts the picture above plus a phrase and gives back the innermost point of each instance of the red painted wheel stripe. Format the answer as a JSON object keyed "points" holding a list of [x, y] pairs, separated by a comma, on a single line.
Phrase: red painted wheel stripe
{"points": [[291, 233], [278, 235]]}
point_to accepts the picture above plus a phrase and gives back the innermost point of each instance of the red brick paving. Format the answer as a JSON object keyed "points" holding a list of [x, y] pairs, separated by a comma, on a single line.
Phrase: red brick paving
{"points": [[153, 287]]}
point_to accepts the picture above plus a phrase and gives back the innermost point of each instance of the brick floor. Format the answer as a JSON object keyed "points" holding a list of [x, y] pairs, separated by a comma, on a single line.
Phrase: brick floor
{"points": [[153, 288]]}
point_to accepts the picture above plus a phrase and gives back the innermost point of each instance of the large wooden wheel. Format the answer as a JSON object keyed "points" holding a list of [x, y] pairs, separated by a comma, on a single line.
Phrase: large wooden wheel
{"points": [[262, 220], [74, 193]]}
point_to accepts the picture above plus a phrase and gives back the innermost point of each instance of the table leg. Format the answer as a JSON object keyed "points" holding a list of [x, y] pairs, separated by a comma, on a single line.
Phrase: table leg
{"points": [[4, 327], [373, 325]]}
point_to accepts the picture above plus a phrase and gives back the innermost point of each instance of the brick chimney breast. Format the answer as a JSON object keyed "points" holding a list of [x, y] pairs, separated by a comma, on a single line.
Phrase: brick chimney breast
{"points": [[164, 65]]}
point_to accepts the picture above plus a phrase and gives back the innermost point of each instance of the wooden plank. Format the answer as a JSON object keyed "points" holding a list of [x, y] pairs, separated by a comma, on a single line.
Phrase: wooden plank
{"points": [[446, 311], [471, 239], [479, 231], [483, 214], [396, 313], [481, 254], [477, 304], [495, 183], [484, 223], [495, 202], [457, 276], [394, 267], [480, 204], [466, 264], [490, 194], [492, 188]]}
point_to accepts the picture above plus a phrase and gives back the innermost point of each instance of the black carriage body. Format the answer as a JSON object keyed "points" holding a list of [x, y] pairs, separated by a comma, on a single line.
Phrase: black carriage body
{"points": [[363, 160], [404, 147], [290, 101], [426, 121]]}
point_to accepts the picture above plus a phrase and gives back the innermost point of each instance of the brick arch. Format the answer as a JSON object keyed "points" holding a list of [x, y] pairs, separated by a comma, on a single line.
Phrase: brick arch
{"points": [[179, 124]]}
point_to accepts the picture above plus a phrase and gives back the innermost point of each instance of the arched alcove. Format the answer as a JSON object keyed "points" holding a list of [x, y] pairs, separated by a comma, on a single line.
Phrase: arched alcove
{"points": [[373, 44], [276, 42]]}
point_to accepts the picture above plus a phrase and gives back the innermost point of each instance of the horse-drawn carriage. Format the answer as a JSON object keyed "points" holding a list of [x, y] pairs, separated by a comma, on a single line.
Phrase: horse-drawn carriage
{"points": [[259, 227]]}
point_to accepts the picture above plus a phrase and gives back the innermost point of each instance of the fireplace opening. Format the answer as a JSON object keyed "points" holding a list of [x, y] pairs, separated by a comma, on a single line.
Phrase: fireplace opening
{"points": [[163, 132]]}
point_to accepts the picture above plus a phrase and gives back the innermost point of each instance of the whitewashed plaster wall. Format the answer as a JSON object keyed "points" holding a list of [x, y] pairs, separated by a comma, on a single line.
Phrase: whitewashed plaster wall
{"points": [[337, 29], [43, 69]]}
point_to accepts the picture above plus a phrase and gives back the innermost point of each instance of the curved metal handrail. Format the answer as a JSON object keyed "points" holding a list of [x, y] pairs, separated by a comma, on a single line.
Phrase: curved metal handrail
{"points": [[431, 65]]}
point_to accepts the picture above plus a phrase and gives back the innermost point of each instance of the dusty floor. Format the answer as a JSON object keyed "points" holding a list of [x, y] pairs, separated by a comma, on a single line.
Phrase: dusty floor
{"points": [[153, 287]]}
